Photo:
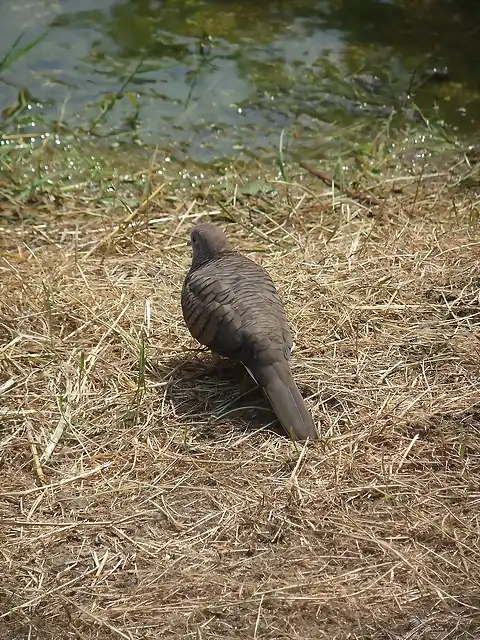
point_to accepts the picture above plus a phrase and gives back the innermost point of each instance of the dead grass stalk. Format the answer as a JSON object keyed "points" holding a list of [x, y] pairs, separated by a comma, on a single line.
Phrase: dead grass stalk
{"points": [[138, 497]]}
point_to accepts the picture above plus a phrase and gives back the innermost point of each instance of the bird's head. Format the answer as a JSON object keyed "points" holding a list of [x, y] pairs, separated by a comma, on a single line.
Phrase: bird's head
{"points": [[207, 241]]}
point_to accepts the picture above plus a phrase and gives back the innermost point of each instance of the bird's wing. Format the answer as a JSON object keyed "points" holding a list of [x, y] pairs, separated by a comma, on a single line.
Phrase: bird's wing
{"points": [[212, 315]]}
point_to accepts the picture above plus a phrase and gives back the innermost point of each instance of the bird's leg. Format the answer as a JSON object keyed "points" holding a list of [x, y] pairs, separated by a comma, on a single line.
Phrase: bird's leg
{"points": [[216, 359], [219, 365]]}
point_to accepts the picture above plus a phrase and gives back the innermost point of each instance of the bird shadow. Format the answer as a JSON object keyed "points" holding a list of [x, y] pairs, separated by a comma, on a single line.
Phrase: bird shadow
{"points": [[212, 394]]}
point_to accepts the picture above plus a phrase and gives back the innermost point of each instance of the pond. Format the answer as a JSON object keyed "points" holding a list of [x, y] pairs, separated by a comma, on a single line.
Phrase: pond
{"points": [[214, 80]]}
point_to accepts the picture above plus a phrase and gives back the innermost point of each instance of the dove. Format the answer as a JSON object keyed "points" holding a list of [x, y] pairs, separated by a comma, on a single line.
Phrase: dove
{"points": [[230, 305]]}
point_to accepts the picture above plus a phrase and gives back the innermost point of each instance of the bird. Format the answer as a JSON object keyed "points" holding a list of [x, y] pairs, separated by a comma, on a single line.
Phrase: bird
{"points": [[230, 304]]}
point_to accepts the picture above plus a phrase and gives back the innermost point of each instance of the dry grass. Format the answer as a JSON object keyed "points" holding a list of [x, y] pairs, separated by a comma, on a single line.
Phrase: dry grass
{"points": [[163, 511]]}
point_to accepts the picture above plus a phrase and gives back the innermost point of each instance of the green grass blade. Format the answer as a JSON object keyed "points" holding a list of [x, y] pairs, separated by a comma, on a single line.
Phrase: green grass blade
{"points": [[15, 53]]}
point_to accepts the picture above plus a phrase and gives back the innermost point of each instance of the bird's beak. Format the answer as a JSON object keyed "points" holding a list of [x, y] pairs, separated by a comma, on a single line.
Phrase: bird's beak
{"points": [[189, 243]]}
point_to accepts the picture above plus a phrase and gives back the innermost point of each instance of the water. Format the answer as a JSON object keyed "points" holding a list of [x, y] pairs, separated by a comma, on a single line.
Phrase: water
{"points": [[214, 80]]}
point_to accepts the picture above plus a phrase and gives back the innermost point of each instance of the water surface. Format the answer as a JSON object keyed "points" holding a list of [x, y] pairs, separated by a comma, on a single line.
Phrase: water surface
{"points": [[210, 80]]}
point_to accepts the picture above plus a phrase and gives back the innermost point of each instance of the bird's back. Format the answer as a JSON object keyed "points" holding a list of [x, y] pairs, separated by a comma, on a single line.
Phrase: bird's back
{"points": [[230, 305]]}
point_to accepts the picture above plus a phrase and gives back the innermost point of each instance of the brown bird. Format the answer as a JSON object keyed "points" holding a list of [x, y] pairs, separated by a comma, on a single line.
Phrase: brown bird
{"points": [[231, 306]]}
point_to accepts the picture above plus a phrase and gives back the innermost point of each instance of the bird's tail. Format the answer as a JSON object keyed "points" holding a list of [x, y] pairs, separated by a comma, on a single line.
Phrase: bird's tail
{"points": [[278, 384]]}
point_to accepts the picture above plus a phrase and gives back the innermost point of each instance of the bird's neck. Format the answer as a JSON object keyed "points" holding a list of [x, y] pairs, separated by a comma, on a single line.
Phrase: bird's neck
{"points": [[202, 259]]}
